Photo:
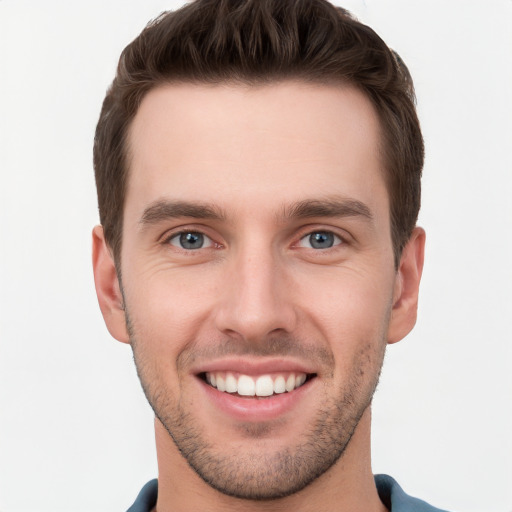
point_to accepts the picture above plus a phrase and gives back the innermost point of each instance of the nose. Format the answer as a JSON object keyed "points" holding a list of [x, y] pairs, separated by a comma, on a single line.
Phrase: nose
{"points": [[257, 297]]}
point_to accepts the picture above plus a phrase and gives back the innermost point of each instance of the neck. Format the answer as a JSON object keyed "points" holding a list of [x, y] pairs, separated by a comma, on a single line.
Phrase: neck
{"points": [[346, 486]]}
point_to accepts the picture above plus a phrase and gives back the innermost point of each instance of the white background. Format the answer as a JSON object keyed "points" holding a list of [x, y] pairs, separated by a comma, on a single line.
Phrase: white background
{"points": [[75, 430]]}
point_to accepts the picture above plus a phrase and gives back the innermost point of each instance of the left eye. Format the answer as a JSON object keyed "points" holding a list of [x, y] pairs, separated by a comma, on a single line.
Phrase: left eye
{"points": [[320, 240], [190, 240]]}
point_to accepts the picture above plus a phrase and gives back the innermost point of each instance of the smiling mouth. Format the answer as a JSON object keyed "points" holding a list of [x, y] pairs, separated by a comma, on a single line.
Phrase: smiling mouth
{"points": [[248, 386]]}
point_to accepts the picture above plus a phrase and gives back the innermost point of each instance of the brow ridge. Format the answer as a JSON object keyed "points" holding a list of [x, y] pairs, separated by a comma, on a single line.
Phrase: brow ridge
{"points": [[331, 207], [163, 210]]}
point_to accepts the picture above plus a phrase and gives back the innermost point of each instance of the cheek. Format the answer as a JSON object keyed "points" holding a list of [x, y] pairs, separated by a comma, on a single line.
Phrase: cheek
{"points": [[168, 307], [347, 296], [352, 313]]}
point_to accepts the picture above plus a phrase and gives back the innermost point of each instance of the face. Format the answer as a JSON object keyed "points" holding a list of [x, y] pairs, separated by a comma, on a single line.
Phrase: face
{"points": [[257, 276]]}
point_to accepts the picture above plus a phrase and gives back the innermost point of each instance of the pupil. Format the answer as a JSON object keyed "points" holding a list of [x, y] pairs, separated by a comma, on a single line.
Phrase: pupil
{"points": [[321, 240], [191, 240]]}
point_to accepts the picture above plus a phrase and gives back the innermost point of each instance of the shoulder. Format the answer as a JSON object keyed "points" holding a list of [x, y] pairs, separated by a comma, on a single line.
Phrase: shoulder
{"points": [[146, 499], [395, 499], [390, 493]]}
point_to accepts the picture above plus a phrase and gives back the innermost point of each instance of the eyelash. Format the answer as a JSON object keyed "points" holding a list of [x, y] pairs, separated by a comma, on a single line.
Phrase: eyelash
{"points": [[338, 241], [212, 244]]}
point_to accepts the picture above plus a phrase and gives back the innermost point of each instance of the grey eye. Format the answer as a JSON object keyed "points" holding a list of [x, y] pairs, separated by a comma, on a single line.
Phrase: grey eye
{"points": [[190, 240], [320, 240]]}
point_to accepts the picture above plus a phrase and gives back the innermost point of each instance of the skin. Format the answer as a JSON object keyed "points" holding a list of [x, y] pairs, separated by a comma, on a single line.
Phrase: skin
{"points": [[273, 164]]}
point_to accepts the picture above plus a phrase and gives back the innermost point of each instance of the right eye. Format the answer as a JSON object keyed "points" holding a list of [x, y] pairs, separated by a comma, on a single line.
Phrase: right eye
{"points": [[320, 240], [190, 240]]}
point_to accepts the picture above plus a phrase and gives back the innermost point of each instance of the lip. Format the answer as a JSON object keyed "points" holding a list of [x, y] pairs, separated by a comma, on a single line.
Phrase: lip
{"points": [[256, 366], [254, 409]]}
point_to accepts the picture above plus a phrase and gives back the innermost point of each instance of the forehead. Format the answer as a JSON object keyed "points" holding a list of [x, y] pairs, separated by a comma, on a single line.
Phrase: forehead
{"points": [[240, 145]]}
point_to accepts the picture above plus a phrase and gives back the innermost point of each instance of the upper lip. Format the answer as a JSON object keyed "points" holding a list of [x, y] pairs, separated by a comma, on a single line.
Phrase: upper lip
{"points": [[253, 366]]}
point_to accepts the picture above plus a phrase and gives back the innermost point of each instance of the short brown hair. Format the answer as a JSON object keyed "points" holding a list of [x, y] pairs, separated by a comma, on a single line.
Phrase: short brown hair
{"points": [[255, 42]]}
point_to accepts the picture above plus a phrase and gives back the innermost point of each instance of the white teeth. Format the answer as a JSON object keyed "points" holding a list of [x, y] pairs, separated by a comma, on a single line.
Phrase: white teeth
{"points": [[221, 384], [279, 385], [246, 386], [264, 385], [290, 383], [231, 384]]}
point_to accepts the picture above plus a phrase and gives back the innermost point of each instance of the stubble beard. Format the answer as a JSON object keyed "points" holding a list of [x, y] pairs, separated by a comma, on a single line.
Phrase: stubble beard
{"points": [[255, 474]]}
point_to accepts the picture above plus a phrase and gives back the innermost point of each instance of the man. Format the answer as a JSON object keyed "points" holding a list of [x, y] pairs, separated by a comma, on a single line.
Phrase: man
{"points": [[258, 170]]}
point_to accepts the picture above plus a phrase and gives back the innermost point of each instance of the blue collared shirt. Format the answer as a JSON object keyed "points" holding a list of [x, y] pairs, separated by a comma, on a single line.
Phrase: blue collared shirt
{"points": [[390, 493]]}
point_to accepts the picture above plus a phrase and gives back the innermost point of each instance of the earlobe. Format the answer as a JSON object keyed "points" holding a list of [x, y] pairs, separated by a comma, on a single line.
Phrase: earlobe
{"points": [[407, 282], [108, 290]]}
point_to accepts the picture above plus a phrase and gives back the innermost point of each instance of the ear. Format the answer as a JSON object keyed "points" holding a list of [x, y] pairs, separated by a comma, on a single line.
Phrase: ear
{"points": [[107, 287], [407, 283]]}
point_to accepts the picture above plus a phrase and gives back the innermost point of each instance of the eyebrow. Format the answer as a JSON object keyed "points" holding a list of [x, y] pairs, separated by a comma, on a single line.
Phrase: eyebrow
{"points": [[330, 207], [164, 210]]}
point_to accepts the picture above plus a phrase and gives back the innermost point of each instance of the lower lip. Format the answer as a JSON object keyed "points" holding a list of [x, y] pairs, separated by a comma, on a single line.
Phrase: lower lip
{"points": [[255, 409]]}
